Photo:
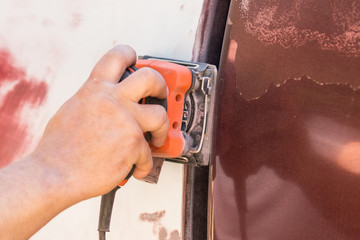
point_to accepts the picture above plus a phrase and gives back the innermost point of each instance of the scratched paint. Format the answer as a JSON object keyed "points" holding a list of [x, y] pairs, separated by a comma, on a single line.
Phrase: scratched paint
{"points": [[291, 23], [24, 92], [296, 55]]}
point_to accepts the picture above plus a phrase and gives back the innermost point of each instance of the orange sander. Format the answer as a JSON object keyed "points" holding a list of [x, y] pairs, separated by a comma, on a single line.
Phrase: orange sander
{"points": [[190, 109]]}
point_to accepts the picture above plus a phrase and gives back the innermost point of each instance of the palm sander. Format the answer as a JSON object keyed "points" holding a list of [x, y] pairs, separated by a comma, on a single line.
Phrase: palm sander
{"points": [[190, 109]]}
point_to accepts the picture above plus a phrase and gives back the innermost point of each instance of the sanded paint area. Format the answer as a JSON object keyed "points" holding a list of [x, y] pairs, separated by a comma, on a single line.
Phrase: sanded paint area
{"points": [[47, 50]]}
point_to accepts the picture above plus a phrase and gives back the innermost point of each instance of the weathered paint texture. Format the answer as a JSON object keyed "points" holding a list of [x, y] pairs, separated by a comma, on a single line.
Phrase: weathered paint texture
{"points": [[291, 23], [18, 90], [287, 158]]}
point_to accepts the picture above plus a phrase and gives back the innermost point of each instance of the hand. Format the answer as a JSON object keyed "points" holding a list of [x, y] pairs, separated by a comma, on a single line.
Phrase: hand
{"points": [[95, 138]]}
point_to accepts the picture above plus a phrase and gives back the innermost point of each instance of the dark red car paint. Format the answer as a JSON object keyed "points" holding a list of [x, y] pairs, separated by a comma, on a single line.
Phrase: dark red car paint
{"points": [[287, 151]]}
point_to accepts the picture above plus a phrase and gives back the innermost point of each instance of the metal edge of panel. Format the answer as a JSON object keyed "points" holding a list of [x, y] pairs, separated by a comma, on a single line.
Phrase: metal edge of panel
{"points": [[207, 48]]}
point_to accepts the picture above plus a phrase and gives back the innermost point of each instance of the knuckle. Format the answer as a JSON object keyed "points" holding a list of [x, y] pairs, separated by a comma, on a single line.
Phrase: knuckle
{"points": [[121, 53], [119, 49], [124, 48], [147, 72], [116, 56], [130, 50], [137, 136]]}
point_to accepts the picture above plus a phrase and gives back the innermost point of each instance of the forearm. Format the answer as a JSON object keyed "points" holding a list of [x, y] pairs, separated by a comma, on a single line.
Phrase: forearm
{"points": [[31, 196]]}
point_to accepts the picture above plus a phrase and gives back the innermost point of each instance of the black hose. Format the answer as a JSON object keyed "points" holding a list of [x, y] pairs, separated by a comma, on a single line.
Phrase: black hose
{"points": [[102, 236]]}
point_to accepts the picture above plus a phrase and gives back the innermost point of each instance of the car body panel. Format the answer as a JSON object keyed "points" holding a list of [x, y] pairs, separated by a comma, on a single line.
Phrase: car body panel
{"points": [[287, 150]]}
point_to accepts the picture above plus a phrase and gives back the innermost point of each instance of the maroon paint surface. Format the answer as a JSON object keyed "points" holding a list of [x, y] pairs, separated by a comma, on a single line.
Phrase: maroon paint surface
{"points": [[26, 91], [287, 151]]}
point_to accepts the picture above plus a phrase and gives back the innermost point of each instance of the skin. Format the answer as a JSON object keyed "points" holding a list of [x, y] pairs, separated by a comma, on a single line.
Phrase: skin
{"points": [[88, 147]]}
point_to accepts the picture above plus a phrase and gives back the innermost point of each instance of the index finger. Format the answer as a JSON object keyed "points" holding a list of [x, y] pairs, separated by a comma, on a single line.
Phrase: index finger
{"points": [[112, 65]]}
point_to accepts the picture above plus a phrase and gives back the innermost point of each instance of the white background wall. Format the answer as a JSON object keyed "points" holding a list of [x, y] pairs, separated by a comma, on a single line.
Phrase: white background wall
{"points": [[58, 42]]}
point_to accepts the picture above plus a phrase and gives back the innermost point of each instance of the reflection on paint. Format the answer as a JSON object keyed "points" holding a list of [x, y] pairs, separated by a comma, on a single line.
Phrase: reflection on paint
{"points": [[20, 91], [335, 142], [226, 188], [232, 51], [349, 157], [308, 155]]}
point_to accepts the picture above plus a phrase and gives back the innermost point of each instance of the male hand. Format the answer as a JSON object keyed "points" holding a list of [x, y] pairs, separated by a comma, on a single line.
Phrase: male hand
{"points": [[88, 147], [96, 137]]}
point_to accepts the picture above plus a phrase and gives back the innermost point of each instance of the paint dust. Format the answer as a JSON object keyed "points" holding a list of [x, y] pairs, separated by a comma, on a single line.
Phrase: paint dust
{"points": [[25, 91], [158, 228]]}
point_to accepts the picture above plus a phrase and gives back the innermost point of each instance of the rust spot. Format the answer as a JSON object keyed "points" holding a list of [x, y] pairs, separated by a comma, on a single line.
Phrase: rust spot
{"points": [[152, 217], [163, 233], [158, 228], [25, 90], [174, 235]]}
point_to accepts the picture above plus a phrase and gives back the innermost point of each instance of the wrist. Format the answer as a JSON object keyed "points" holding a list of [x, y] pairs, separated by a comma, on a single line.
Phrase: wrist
{"points": [[33, 194], [55, 184]]}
